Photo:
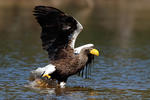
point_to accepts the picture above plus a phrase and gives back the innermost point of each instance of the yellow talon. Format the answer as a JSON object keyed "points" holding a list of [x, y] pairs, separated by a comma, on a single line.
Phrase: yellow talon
{"points": [[46, 75]]}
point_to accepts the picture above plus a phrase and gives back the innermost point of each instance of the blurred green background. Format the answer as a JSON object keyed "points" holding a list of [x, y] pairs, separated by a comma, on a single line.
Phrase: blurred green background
{"points": [[121, 23]]}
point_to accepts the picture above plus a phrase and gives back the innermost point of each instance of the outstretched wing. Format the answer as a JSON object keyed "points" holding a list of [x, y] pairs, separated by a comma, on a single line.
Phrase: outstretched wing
{"points": [[59, 31]]}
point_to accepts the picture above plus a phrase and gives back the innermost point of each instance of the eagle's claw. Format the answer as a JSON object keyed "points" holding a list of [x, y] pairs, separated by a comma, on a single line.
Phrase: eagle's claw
{"points": [[47, 75]]}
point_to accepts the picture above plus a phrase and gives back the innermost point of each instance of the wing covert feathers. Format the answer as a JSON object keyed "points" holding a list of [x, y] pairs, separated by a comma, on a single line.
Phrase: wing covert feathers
{"points": [[57, 29]]}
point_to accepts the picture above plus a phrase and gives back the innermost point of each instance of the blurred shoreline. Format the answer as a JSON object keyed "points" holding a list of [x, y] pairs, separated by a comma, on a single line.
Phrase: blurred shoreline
{"points": [[121, 20]]}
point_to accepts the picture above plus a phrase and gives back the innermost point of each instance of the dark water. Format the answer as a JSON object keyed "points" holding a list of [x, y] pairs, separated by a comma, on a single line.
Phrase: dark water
{"points": [[120, 30]]}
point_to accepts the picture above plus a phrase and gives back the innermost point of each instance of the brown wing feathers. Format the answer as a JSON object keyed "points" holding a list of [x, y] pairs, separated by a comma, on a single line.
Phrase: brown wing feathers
{"points": [[57, 28]]}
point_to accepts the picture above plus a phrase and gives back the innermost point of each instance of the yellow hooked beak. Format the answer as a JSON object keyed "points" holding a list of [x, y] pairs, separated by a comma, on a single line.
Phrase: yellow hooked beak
{"points": [[46, 75], [94, 52]]}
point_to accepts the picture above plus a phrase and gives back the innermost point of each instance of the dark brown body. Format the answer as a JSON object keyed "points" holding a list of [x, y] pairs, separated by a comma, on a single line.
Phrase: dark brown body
{"points": [[68, 66]]}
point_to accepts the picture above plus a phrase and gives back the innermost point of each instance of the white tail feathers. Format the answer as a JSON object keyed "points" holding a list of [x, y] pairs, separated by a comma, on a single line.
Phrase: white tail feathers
{"points": [[49, 69]]}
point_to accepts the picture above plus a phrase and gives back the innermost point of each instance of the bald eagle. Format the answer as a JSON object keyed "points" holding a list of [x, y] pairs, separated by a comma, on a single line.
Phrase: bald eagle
{"points": [[59, 33]]}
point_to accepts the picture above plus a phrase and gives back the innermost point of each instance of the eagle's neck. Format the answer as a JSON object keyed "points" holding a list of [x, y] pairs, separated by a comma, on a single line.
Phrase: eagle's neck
{"points": [[83, 58]]}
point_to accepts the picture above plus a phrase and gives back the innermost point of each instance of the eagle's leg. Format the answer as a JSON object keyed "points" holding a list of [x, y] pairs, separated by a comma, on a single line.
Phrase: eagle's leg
{"points": [[62, 84]]}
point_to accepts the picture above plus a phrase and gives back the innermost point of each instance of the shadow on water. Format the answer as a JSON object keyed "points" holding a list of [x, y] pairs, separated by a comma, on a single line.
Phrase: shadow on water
{"points": [[89, 93], [119, 29]]}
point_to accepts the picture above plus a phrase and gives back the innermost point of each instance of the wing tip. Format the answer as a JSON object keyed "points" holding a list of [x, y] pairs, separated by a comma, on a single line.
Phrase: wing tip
{"points": [[40, 8]]}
